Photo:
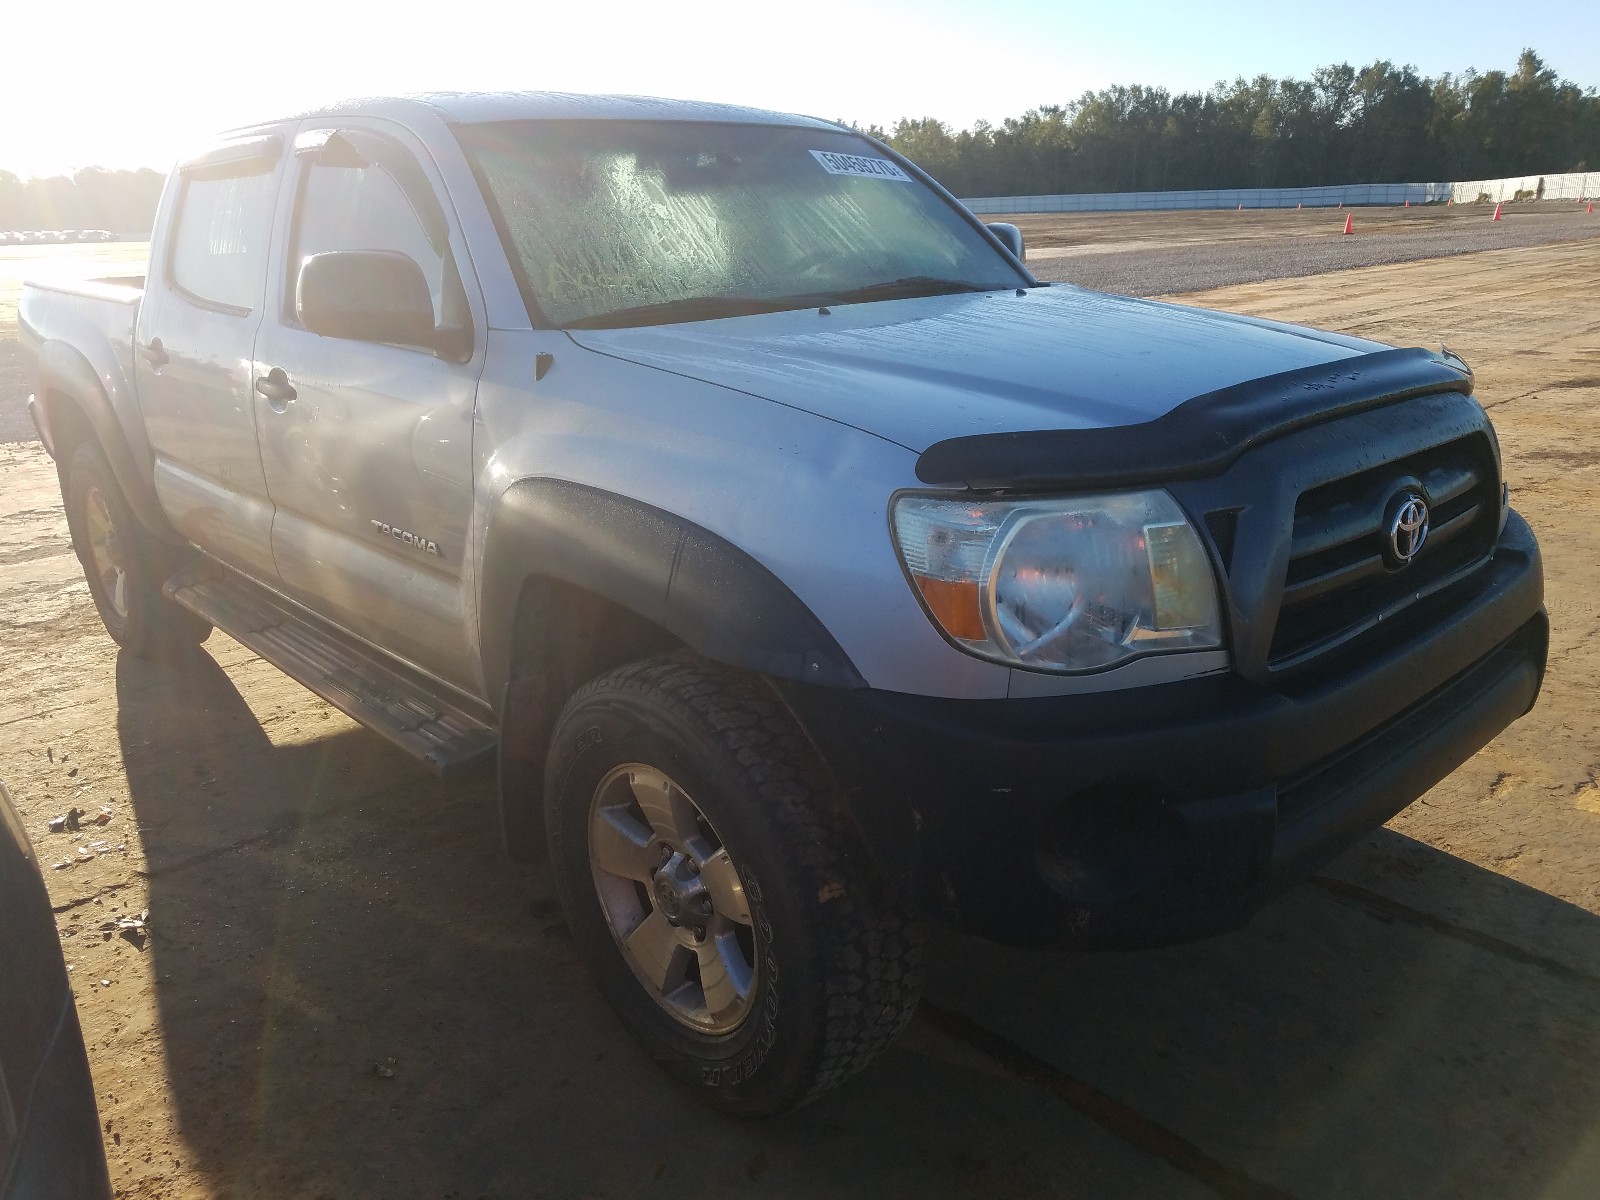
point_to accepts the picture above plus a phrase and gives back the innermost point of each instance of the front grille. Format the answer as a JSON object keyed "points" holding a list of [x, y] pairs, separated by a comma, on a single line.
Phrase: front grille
{"points": [[1339, 581]]}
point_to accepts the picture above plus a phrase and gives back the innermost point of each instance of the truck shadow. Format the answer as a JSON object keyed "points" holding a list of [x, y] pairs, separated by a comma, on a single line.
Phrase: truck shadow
{"points": [[358, 997]]}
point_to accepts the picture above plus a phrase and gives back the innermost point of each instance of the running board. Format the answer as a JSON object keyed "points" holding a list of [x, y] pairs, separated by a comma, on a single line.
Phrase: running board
{"points": [[402, 706]]}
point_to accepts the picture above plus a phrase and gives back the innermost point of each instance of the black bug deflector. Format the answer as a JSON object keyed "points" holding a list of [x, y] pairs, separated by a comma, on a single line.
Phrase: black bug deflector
{"points": [[1199, 437]]}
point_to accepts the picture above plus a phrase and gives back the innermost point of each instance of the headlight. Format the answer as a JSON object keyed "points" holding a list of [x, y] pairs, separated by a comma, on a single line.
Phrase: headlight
{"points": [[1075, 584]]}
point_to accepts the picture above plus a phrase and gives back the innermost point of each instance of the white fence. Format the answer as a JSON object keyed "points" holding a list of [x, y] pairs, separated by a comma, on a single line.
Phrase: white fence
{"points": [[1584, 186], [1543, 187]]}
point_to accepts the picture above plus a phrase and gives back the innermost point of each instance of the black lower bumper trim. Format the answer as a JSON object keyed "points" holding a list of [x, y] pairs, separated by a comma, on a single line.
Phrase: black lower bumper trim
{"points": [[1339, 802], [1166, 813]]}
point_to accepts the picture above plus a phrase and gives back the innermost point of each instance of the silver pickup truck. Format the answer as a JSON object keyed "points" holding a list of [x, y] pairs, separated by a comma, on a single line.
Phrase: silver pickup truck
{"points": [[807, 569]]}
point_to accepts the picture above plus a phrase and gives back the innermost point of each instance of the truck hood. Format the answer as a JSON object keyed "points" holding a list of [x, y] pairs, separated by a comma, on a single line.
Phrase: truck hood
{"points": [[922, 370]]}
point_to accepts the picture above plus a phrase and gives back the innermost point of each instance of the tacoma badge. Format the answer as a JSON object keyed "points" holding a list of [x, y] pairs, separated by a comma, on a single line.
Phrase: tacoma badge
{"points": [[410, 539]]}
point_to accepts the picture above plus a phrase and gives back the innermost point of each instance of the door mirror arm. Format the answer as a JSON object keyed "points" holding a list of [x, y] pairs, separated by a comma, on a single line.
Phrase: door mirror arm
{"points": [[452, 345]]}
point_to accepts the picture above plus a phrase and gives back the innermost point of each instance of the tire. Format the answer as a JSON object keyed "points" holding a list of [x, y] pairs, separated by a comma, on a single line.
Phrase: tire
{"points": [[816, 968], [124, 564]]}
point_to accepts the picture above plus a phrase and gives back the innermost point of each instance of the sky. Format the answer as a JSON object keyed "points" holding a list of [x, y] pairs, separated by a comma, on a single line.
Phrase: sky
{"points": [[123, 85]]}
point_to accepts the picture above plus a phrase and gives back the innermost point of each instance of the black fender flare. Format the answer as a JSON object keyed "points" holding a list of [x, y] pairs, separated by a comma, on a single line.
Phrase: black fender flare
{"points": [[698, 586], [64, 371]]}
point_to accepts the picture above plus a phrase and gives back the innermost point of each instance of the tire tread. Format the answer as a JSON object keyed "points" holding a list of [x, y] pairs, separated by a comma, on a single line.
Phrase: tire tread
{"points": [[875, 952]]}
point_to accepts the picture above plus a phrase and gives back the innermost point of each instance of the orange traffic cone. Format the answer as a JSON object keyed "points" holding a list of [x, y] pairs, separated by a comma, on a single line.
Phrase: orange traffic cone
{"points": [[1591, 206], [1349, 222], [1496, 216], [1298, 206], [1408, 204]]}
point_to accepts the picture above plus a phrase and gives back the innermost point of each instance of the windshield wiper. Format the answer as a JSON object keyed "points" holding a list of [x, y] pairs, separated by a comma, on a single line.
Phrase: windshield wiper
{"points": [[709, 308], [904, 289], [689, 308]]}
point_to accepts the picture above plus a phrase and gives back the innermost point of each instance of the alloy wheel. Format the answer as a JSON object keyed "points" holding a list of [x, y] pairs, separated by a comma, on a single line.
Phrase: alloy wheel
{"points": [[673, 899], [105, 549]]}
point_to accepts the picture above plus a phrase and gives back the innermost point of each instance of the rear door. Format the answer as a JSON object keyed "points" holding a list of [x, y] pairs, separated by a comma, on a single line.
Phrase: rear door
{"points": [[202, 305], [366, 447]]}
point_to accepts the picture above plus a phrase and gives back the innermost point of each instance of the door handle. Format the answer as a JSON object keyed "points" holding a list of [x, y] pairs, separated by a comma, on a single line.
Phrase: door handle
{"points": [[275, 386], [155, 353]]}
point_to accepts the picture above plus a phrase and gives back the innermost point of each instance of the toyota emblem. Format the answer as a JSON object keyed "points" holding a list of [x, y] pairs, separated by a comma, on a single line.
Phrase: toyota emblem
{"points": [[1408, 527]]}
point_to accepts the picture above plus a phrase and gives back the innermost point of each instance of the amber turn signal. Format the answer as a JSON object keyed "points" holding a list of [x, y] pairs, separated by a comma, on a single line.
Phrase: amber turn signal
{"points": [[954, 605]]}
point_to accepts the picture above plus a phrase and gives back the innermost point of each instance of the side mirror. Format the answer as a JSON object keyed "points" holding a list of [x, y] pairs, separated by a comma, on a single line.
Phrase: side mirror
{"points": [[366, 295], [1010, 237]]}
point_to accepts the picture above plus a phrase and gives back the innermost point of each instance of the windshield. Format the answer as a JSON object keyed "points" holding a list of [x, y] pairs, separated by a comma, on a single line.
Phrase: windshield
{"points": [[614, 223]]}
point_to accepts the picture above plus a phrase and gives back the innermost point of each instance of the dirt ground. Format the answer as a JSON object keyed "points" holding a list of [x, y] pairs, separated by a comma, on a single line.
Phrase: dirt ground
{"points": [[1157, 253], [1100, 232], [346, 992]]}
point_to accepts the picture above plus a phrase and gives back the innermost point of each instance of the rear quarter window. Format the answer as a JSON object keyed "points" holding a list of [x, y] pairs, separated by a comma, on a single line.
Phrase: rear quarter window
{"points": [[219, 242]]}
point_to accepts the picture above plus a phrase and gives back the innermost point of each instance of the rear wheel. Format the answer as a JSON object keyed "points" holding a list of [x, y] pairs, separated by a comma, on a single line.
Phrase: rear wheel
{"points": [[123, 562], [722, 899]]}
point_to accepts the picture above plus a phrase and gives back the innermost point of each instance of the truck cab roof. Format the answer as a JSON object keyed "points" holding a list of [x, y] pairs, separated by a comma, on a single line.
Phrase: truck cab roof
{"points": [[476, 107]]}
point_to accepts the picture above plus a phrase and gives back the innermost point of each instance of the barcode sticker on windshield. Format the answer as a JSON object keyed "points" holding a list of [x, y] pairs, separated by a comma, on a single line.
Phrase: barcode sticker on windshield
{"points": [[859, 164]]}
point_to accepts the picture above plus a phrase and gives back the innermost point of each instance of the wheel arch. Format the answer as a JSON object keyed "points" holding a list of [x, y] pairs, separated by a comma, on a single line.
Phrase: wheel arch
{"points": [[73, 404], [577, 581], [698, 587]]}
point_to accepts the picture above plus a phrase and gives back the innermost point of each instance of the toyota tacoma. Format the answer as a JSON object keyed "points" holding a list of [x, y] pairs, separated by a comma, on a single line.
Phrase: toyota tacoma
{"points": [[808, 570]]}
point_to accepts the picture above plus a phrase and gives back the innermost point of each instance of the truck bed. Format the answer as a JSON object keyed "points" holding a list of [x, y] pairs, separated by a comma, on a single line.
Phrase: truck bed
{"points": [[84, 329], [83, 312]]}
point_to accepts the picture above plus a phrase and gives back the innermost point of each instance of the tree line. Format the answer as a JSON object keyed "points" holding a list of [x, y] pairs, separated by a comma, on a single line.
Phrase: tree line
{"points": [[92, 198], [1376, 124]]}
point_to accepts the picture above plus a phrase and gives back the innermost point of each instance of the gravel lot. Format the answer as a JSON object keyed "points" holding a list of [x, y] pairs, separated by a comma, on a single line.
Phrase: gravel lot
{"points": [[1153, 256]]}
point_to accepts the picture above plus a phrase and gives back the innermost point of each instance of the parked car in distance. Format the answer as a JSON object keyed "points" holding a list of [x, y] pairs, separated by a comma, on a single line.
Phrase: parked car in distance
{"points": [[809, 570], [50, 1147]]}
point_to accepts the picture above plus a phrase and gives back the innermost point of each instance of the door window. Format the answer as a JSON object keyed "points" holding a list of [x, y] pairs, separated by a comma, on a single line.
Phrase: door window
{"points": [[219, 243], [355, 203]]}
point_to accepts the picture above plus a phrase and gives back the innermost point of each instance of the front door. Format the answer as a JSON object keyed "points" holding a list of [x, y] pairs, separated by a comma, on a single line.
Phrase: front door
{"points": [[367, 447]]}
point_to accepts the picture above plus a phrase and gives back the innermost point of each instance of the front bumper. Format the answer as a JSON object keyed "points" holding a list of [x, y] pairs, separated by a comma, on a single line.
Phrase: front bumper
{"points": [[1165, 813]]}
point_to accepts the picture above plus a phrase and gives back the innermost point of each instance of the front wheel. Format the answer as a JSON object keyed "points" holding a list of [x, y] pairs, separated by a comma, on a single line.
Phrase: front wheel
{"points": [[716, 888]]}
